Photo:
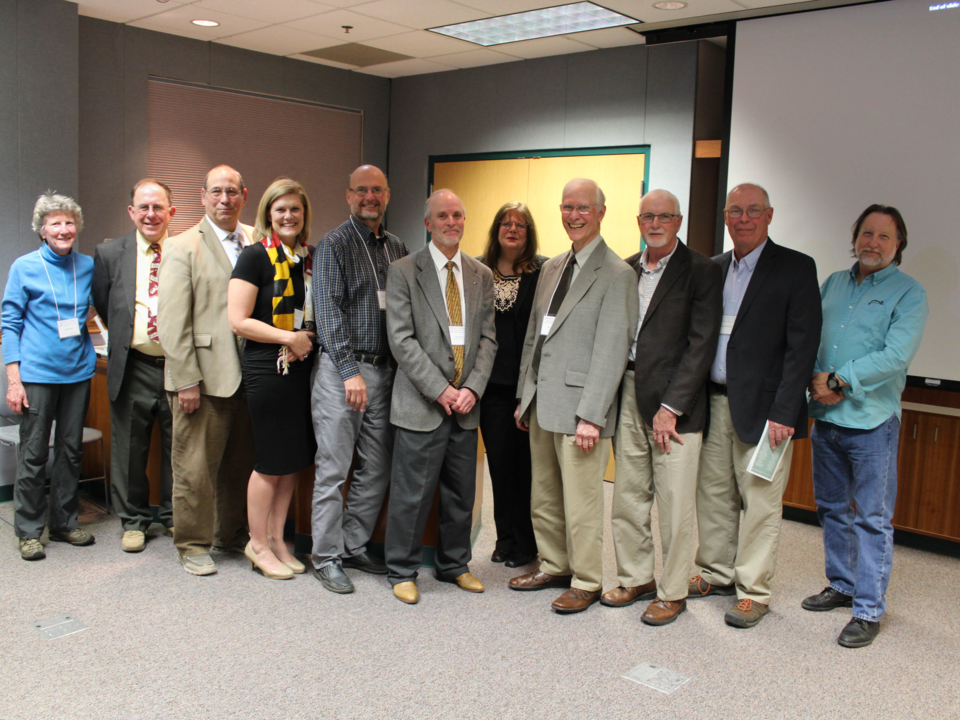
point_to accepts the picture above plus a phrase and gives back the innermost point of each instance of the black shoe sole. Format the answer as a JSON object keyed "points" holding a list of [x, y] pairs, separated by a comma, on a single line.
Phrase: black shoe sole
{"points": [[857, 644], [739, 622], [338, 589], [848, 603], [645, 596]]}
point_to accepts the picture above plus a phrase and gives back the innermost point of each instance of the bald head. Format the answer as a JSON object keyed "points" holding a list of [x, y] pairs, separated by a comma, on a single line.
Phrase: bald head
{"points": [[586, 185], [223, 197], [581, 211], [368, 195], [444, 217], [659, 222]]}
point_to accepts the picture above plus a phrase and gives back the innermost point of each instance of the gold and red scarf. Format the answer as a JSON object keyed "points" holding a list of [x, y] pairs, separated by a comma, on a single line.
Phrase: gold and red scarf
{"points": [[283, 259]]}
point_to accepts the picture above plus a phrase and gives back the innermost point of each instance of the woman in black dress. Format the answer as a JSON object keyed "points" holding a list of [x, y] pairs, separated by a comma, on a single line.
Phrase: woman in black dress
{"points": [[512, 255], [266, 301]]}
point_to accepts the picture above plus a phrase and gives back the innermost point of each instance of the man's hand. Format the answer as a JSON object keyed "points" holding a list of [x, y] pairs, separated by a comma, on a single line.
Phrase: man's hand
{"points": [[588, 435], [665, 427], [521, 424], [189, 399], [448, 398], [301, 343], [821, 393], [356, 393], [17, 398], [465, 402], [779, 433]]}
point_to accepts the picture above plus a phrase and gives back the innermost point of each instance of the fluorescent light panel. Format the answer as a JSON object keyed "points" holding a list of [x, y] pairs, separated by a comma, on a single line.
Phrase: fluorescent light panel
{"points": [[546, 22]]}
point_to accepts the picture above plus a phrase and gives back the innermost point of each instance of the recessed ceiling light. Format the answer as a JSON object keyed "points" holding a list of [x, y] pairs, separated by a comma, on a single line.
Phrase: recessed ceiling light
{"points": [[670, 5], [205, 23], [546, 22]]}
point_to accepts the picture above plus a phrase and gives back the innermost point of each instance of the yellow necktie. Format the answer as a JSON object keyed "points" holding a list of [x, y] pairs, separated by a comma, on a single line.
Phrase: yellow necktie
{"points": [[456, 318]]}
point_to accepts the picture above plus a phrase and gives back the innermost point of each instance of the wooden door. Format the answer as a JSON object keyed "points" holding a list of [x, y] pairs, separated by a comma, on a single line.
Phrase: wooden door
{"points": [[939, 512]]}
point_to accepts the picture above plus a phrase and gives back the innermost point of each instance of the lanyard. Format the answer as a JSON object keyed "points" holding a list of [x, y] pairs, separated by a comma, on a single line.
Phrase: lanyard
{"points": [[363, 244], [55, 303]]}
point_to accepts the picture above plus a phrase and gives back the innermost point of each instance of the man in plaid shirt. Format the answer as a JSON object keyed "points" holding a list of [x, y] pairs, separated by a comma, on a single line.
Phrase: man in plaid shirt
{"points": [[353, 382]]}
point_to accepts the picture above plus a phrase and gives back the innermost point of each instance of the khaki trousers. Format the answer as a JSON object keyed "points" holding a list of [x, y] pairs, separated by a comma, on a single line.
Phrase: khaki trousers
{"points": [[212, 458], [723, 488], [645, 472], [567, 505]]}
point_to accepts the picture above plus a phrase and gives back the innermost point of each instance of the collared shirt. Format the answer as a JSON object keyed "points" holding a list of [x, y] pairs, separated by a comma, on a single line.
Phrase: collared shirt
{"points": [[871, 332], [229, 247], [141, 341], [646, 287], [349, 267], [734, 288], [440, 260]]}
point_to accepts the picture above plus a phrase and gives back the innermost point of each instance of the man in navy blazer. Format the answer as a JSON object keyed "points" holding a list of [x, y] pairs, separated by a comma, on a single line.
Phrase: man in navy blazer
{"points": [[768, 343]]}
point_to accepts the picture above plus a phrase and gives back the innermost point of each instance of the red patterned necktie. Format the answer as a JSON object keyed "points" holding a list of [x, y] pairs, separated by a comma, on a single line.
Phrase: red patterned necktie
{"points": [[152, 288]]}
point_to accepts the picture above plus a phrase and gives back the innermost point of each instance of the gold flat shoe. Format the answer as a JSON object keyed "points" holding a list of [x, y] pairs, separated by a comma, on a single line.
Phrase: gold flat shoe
{"points": [[469, 583], [281, 574], [407, 592]]}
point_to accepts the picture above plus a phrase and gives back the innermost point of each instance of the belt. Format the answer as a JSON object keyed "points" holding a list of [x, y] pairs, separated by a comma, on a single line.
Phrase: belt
{"points": [[371, 359], [718, 388], [157, 360], [632, 366]]}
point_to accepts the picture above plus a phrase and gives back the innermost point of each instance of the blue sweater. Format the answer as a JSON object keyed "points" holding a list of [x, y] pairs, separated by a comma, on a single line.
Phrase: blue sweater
{"points": [[29, 315]]}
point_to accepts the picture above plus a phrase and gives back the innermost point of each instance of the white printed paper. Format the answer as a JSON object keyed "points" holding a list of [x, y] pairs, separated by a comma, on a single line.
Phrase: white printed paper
{"points": [[68, 328], [457, 335], [382, 299], [726, 325], [765, 461], [297, 319], [547, 324]]}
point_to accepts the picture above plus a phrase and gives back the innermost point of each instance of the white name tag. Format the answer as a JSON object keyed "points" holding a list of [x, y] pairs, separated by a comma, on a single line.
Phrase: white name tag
{"points": [[457, 335], [547, 324], [382, 299], [726, 325], [68, 328], [297, 319]]}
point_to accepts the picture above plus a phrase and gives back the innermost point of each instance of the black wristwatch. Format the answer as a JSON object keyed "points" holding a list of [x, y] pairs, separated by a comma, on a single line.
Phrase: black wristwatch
{"points": [[833, 382]]}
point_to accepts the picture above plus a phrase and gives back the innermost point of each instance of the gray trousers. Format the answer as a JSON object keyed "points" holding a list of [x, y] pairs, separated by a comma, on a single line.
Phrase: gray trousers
{"points": [[67, 404], [421, 460], [141, 402], [340, 531]]}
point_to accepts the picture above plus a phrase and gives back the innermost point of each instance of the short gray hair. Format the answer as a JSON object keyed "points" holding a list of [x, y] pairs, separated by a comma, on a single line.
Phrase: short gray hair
{"points": [[51, 202], [426, 205], [766, 195], [666, 194], [601, 198]]}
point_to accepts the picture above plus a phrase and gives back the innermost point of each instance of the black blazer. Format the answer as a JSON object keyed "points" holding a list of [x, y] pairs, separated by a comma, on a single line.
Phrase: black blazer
{"points": [[678, 338], [774, 342], [115, 297]]}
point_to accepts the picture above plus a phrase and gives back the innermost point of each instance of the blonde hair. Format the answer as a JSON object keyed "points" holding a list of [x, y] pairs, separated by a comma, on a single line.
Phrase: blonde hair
{"points": [[278, 188]]}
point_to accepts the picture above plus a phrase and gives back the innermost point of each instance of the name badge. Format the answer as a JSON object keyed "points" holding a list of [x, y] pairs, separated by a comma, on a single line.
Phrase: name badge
{"points": [[726, 325], [547, 324], [297, 319], [457, 335], [382, 299], [68, 328]]}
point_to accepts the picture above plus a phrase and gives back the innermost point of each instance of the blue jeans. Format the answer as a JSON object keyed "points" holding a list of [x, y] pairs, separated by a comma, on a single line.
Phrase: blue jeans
{"points": [[857, 467]]}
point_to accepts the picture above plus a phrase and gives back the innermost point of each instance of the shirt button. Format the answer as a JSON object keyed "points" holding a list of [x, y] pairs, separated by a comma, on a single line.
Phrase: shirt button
{"points": [[831, 367], [834, 347], [850, 306], [843, 326]]}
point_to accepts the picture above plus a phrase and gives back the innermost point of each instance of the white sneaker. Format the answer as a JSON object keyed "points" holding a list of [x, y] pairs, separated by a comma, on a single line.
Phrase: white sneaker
{"points": [[133, 541]]}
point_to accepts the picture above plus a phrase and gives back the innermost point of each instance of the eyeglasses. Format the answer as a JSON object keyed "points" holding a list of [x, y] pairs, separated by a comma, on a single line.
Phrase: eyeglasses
{"points": [[145, 209], [737, 213], [513, 223], [663, 217], [216, 192], [363, 191], [581, 209]]}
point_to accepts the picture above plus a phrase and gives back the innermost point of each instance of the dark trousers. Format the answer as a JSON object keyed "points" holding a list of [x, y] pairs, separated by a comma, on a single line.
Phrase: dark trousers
{"points": [[421, 460], [508, 456], [141, 402], [67, 404]]}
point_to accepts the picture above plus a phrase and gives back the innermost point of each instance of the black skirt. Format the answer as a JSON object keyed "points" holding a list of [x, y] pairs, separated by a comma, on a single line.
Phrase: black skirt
{"points": [[280, 412]]}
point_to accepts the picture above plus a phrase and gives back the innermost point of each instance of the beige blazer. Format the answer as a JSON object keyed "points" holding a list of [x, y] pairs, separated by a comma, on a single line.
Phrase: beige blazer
{"points": [[585, 353], [192, 313]]}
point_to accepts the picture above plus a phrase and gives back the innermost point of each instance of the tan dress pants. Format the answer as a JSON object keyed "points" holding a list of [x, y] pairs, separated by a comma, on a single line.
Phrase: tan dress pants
{"points": [[734, 550], [645, 472]]}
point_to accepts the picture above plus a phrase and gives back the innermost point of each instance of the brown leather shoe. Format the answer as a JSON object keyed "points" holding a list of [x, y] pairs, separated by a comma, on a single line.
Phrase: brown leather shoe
{"points": [[624, 596], [700, 588], [575, 600], [663, 612], [469, 583], [539, 581]]}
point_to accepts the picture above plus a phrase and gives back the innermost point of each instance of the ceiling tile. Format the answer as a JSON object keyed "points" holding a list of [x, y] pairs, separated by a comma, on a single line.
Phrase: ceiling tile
{"points": [[421, 43], [420, 13], [273, 12], [611, 37], [178, 21], [646, 12], [364, 27], [474, 58], [324, 61], [123, 11], [508, 7], [767, 3], [404, 68], [279, 40], [542, 47]]}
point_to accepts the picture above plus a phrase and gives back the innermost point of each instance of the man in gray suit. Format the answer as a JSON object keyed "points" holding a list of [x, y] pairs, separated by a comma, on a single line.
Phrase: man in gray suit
{"points": [[125, 287], [584, 316], [440, 324]]}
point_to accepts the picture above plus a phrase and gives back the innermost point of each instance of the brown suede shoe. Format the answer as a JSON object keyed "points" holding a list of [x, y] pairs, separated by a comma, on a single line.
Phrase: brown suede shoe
{"points": [[575, 600], [700, 588], [539, 581], [624, 596], [663, 612]]}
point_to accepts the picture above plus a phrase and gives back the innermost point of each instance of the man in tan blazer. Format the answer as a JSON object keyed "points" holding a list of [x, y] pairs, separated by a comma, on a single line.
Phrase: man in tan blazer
{"points": [[584, 312], [212, 450]]}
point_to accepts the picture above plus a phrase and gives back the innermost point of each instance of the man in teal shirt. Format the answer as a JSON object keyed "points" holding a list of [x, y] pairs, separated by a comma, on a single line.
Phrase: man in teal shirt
{"points": [[873, 319]]}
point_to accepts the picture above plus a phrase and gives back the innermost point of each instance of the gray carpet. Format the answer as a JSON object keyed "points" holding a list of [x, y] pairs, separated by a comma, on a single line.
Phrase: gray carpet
{"points": [[163, 644]]}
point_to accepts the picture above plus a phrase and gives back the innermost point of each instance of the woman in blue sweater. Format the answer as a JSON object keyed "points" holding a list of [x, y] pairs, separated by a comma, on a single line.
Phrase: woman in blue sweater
{"points": [[50, 360]]}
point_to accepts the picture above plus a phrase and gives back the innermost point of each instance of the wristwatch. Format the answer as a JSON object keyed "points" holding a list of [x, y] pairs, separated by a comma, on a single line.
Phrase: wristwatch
{"points": [[833, 382]]}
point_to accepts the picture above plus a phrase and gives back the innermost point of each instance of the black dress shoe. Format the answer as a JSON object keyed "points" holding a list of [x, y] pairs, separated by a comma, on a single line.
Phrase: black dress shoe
{"points": [[365, 562], [520, 559], [499, 556], [858, 633], [829, 599], [333, 578]]}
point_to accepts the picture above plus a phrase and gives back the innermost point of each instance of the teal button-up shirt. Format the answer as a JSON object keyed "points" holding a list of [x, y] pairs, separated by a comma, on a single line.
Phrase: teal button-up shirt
{"points": [[871, 332]]}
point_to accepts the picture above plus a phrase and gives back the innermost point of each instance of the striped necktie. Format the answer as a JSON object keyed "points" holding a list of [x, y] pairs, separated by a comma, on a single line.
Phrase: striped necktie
{"points": [[456, 318]]}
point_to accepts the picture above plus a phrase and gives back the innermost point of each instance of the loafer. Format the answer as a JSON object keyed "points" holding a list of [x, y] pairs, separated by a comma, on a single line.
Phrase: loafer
{"points": [[663, 612], [624, 596], [239, 547], [406, 592], [499, 556], [700, 588], [31, 549], [520, 560], [469, 583], [201, 564], [365, 562], [76, 537], [829, 599], [539, 581], [858, 633], [745, 614], [575, 600], [133, 541], [334, 579]]}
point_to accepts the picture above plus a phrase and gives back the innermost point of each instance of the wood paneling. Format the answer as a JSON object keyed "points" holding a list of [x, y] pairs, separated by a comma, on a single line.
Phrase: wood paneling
{"points": [[799, 492], [708, 148], [939, 512], [909, 471]]}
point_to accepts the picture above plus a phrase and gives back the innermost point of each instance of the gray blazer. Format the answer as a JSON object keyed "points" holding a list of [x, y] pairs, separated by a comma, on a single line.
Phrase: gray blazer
{"points": [[115, 297], [585, 353], [417, 329]]}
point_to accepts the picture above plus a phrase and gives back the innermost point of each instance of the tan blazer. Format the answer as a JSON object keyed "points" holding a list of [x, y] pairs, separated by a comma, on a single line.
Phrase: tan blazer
{"points": [[192, 315]]}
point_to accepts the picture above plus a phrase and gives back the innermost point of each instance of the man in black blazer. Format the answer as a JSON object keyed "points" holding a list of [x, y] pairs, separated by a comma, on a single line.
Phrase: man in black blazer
{"points": [[125, 280], [768, 343], [662, 412]]}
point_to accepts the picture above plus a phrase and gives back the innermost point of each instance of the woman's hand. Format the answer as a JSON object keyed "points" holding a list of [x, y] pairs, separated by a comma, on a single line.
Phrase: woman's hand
{"points": [[301, 343]]}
